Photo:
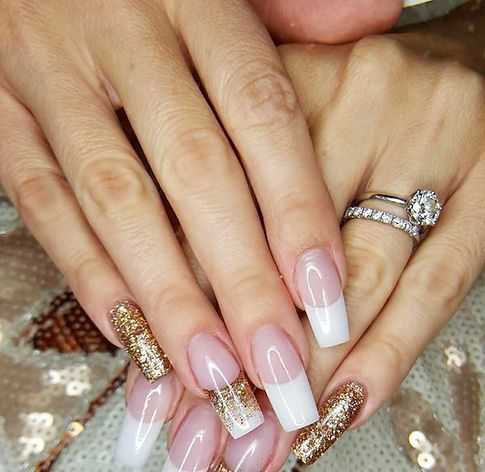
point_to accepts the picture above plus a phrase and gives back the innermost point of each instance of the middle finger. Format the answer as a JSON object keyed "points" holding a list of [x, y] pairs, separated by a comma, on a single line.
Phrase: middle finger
{"points": [[206, 187]]}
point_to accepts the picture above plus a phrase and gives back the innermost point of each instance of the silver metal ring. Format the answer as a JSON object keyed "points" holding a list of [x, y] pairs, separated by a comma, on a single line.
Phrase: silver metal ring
{"points": [[365, 213], [422, 207]]}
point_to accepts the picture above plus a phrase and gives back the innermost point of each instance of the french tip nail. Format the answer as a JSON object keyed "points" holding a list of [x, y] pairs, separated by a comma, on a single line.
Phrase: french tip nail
{"points": [[329, 324], [135, 442], [336, 416], [147, 408], [293, 403]]}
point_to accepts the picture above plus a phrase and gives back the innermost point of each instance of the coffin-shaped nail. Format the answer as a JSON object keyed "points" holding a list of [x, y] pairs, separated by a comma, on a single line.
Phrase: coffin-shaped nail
{"points": [[195, 443], [336, 415], [138, 340], [252, 452], [147, 409], [318, 285], [225, 385], [284, 378]]}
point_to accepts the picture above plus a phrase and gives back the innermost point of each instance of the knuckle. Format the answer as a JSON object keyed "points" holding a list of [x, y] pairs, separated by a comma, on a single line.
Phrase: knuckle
{"points": [[110, 188], [394, 353], [196, 159], [292, 217], [248, 284], [265, 100], [41, 198], [377, 58], [439, 284], [367, 269]]}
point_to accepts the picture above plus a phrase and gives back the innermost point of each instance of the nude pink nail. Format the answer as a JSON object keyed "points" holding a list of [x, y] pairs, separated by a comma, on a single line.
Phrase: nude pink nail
{"points": [[195, 443], [147, 409], [252, 452], [284, 378], [226, 386], [318, 285]]}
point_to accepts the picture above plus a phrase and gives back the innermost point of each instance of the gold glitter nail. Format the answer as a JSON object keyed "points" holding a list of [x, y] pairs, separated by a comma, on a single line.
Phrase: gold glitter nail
{"points": [[236, 406], [221, 468], [138, 340], [336, 415]]}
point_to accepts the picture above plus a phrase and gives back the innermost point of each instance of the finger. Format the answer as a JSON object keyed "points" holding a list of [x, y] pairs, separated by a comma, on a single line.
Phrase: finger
{"points": [[310, 21], [205, 185], [148, 407], [38, 188], [124, 208], [251, 91], [429, 292], [196, 437]]}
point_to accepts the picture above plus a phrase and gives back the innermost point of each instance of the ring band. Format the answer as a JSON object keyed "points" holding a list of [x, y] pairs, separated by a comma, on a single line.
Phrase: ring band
{"points": [[422, 207], [359, 212]]}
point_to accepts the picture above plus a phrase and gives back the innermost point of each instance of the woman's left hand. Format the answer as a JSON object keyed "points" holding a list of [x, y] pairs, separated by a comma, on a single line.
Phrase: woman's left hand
{"points": [[383, 119]]}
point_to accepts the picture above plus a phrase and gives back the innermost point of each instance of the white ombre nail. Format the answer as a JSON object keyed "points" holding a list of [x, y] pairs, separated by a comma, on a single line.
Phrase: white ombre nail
{"points": [[319, 287], [284, 379], [148, 407], [225, 385]]}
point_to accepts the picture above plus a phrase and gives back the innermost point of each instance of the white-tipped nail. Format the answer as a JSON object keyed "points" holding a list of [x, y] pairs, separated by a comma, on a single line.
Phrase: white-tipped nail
{"points": [[319, 287], [284, 379], [147, 409], [329, 323], [293, 402]]}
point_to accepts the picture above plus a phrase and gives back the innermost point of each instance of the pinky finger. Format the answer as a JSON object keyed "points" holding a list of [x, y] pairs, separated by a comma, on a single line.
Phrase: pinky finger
{"points": [[37, 187], [430, 290]]}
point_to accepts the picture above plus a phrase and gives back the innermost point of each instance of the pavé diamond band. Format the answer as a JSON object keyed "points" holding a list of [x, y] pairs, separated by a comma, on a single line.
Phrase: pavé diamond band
{"points": [[422, 207], [358, 212]]}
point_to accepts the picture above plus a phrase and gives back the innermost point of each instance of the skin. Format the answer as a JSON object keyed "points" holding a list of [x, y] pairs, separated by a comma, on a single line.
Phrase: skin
{"points": [[80, 188], [419, 131]]}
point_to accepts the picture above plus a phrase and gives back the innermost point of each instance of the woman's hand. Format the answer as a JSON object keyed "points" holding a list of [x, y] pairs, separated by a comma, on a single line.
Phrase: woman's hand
{"points": [[391, 120], [65, 66]]}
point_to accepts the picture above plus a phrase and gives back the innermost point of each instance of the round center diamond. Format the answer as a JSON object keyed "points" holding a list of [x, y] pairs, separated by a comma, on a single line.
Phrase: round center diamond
{"points": [[424, 208]]}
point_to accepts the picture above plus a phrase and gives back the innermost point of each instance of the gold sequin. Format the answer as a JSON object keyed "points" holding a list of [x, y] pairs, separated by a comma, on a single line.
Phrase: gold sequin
{"points": [[235, 404], [336, 415], [140, 343]]}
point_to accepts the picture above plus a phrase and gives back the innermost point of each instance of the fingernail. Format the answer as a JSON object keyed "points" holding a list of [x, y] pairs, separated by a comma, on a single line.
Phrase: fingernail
{"points": [[226, 386], [138, 340], [195, 443], [336, 415], [318, 285], [147, 409], [284, 378], [252, 452]]}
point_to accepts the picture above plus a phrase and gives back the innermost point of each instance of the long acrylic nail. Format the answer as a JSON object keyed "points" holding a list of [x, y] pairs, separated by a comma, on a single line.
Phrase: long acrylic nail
{"points": [[318, 284], [147, 410], [138, 340], [284, 378], [226, 386], [195, 443], [252, 452], [336, 415]]}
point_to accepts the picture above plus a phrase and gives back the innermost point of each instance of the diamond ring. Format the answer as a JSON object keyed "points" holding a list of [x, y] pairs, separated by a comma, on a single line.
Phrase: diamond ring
{"points": [[422, 207]]}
